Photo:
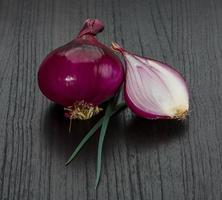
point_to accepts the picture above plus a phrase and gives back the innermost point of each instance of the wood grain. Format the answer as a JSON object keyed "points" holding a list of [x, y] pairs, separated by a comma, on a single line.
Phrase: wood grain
{"points": [[155, 160]]}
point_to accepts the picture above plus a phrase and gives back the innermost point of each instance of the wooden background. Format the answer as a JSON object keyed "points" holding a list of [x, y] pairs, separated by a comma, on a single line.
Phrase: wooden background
{"points": [[147, 160]]}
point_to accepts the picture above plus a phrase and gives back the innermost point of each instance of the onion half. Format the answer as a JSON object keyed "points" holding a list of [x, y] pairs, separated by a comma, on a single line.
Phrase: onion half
{"points": [[153, 89]]}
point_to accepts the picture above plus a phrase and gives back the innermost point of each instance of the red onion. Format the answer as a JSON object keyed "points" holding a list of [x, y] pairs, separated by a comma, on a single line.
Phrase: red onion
{"points": [[81, 74], [153, 89]]}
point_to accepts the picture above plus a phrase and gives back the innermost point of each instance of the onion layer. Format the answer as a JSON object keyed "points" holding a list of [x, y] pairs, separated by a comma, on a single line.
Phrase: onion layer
{"points": [[153, 89], [81, 74]]}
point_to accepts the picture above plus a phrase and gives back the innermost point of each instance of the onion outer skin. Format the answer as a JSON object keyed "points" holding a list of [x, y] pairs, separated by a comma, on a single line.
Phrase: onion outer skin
{"points": [[82, 70]]}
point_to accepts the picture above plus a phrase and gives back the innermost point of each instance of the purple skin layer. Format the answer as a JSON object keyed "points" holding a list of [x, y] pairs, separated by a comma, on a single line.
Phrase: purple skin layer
{"points": [[83, 69]]}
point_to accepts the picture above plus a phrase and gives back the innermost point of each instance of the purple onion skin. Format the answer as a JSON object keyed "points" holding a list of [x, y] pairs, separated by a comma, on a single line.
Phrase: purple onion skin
{"points": [[83, 69]]}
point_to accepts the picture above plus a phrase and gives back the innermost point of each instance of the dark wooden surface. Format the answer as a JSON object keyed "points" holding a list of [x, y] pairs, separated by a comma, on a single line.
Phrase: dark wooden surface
{"points": [[147, 160]]}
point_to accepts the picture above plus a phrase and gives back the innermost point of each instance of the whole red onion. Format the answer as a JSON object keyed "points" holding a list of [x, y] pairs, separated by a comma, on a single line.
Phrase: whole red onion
{"points": [[81, 74]]}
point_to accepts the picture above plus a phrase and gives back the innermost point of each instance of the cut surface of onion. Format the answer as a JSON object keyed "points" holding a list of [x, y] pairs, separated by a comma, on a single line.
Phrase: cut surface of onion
{"points": [[153, 89]]}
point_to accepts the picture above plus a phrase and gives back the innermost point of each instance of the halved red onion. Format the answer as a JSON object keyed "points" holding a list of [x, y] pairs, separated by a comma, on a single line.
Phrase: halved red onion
{"points": [[153, 89]]}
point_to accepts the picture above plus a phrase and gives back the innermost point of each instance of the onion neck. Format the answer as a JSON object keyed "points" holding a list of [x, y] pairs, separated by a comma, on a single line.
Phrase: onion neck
{"points": [[91, 27], [117, 47]]}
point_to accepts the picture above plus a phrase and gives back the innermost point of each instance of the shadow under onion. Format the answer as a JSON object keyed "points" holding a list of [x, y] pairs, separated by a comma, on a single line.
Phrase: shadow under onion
{"points": [[148, 133], [137, 131], [56, 132]]}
